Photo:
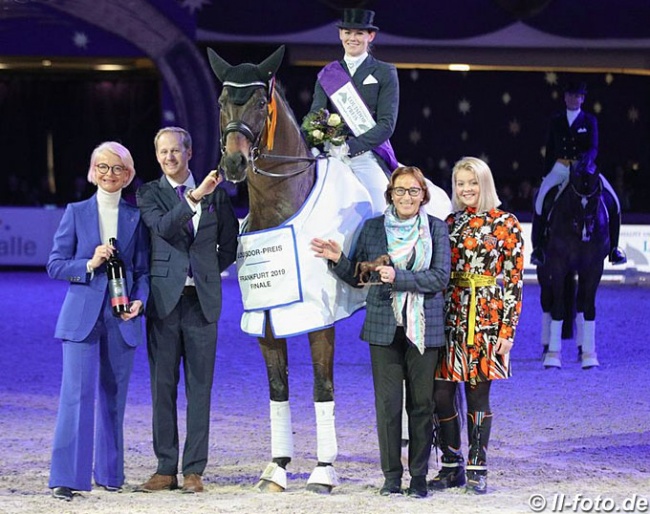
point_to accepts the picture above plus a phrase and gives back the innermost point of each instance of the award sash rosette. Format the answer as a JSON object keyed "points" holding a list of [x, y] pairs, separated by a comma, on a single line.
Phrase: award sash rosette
{"points": [[340, 89], [268, 269]]}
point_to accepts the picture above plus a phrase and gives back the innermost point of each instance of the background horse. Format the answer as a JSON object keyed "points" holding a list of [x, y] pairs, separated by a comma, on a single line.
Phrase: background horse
{"points": [[261, 142], [578, 243]]}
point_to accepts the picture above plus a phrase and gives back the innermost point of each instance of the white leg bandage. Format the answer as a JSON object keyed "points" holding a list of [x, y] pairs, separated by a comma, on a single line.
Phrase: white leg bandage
{"points": [[553, 358], [281, 432], [580, 329], [546, 328], [327, 449]]}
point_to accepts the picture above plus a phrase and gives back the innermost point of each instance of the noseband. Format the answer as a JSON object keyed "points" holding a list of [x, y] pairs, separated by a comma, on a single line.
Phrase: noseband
{"points": [[254, 152]]}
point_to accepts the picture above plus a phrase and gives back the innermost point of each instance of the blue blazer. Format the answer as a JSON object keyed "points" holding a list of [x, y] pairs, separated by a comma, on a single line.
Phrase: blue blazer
{"points": [[74, 245], [380, 324]]}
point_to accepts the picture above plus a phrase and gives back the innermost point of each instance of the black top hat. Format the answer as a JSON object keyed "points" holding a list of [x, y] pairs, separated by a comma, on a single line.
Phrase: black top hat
{"points": [[357, 19], [577, 88]]}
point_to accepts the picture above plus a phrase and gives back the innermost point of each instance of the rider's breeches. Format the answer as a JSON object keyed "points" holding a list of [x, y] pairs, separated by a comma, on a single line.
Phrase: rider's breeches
{"points": [[372, 176], [559, 174]]}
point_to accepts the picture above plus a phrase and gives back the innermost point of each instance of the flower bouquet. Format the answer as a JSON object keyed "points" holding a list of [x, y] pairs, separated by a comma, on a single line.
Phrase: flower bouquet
{"points": [[324, 129]]}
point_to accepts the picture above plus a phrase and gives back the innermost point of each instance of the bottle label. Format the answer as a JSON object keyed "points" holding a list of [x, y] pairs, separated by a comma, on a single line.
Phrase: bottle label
{"points": [[117, 290]]}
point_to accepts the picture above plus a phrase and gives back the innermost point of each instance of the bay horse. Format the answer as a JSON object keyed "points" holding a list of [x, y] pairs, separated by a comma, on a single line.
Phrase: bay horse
{"points": [[261, 143], [577, 245]]}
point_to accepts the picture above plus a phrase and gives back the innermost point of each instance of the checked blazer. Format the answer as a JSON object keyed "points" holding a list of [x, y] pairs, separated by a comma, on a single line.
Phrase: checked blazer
{"points": [[380, 324], [378, 85]]}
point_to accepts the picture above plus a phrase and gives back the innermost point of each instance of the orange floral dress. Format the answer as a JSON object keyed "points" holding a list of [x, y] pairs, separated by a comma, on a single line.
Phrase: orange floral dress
{"points": [[491, 244]]}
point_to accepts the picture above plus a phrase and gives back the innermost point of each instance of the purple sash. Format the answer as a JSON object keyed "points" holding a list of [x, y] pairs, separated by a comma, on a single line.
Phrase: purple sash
{"points": [[332, 78]]}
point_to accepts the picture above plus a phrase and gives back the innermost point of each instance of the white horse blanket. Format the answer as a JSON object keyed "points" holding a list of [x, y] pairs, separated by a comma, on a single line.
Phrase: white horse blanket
{"points": [[282, 275]]}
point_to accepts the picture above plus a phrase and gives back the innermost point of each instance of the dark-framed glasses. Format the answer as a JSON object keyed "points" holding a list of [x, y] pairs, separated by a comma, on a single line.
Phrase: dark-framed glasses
{"points": [[401, 191], [117, 169]]}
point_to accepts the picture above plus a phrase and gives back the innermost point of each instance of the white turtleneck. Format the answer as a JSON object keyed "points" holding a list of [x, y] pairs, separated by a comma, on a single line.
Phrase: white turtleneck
{"points": [[572, 115], [353, 63], [107, 204]]}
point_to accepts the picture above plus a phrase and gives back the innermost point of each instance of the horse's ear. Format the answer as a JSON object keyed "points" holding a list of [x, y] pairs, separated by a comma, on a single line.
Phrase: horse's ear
{"points": [[219, 66], [271, 64]]}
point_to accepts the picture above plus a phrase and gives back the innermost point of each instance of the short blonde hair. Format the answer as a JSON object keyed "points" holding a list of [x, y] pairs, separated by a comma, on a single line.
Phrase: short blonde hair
{"points": [[407, 170], [186, 139], [488, 198], [116, 149]]}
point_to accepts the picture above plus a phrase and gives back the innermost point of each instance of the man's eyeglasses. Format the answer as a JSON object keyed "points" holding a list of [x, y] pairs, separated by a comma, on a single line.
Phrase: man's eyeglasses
{"points": [[117, 169], [401, 191]]}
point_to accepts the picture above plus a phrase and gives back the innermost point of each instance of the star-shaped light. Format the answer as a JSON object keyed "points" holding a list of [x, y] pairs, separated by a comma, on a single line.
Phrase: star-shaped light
{"points": [[195, 5], [426, 111], [464, 135], [415, 136], [633, 114], [169, 115], [415, 75], [609, 78], [550, 78], [80, 40], [442, 164], [514, 127], [484, 158], [515, 165], [464, 106], [542, 151], [505, 98], [598, 107]]}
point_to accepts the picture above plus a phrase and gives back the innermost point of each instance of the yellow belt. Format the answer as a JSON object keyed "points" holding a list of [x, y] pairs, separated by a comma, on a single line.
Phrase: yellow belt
{"points": [[471, 280]]}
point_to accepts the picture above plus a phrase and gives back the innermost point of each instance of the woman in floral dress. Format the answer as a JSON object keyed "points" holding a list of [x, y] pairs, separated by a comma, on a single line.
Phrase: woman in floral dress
{"points": [[481, 318]]}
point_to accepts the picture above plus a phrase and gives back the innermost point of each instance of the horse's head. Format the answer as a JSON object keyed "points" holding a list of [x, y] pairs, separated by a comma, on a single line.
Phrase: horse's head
{"points": [[584, 182], [244, 109], [584, 177]]}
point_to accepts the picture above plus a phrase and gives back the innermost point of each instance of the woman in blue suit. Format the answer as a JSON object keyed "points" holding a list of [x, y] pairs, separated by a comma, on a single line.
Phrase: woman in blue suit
{"points": [[95, 342], [404, 319]]}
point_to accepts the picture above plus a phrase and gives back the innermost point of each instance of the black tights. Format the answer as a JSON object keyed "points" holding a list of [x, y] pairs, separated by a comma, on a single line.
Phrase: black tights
{"points": [[444, 394]]}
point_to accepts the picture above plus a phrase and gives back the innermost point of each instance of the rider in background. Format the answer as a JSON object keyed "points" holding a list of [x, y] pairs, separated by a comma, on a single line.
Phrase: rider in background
{"points": [[573, 135], [367, 81]]}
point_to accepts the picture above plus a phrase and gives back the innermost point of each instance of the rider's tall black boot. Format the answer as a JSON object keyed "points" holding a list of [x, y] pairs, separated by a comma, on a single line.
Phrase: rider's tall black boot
{"points": [[538, 258], [616, 254]]}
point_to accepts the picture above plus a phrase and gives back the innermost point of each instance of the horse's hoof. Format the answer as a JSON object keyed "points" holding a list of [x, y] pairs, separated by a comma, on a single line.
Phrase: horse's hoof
{"points": [[552, 360], [589, 360], [266, 486], [322, 480], [319, 488], [273, 479]]}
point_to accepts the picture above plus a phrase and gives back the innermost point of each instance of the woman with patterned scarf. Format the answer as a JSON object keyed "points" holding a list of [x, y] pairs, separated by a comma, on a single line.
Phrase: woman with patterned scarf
{"points": [[480, 319], [404, 318]]}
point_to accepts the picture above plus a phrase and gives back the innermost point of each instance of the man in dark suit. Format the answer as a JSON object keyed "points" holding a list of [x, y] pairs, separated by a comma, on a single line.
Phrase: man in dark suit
{"points": [[194, 238], [376, 83], [573, 135]]}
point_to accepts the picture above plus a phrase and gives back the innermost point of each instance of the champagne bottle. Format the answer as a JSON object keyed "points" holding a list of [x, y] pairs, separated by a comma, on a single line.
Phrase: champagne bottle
{"points": [[116, 273]]}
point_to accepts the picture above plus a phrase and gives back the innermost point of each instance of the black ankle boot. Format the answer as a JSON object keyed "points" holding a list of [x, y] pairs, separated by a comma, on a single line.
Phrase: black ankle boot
{"points": [[476, 481], [391, 486], [452, 472]]}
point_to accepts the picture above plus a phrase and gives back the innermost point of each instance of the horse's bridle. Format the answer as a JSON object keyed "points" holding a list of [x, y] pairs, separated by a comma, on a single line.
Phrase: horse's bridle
{"points": [[254, 152]]}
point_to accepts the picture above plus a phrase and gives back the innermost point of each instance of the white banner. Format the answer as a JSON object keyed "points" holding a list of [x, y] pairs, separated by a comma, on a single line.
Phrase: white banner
{"points": [[354, 111], [26, 235], [268, 269]]}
